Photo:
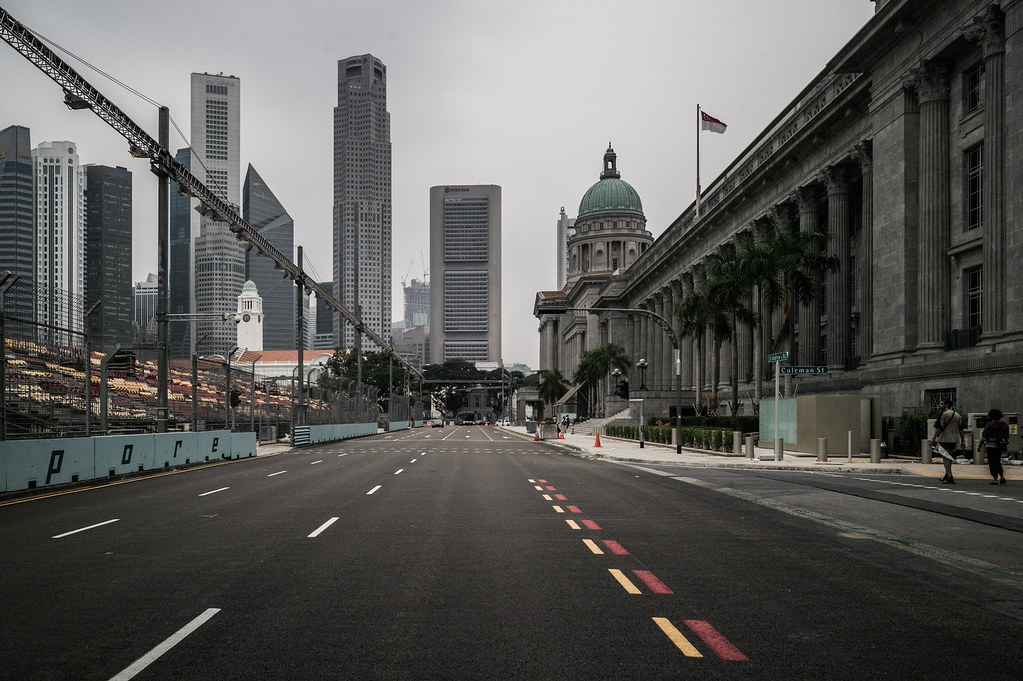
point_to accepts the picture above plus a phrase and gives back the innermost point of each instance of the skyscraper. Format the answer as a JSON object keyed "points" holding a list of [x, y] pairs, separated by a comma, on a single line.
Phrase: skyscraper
{"points": [[59, 241], [17, 214], [145, 302], [266, 215], [465, 270], [108, 255], [362, 196], [218, 257], [566, 228], [323, 333], [180, 299]]}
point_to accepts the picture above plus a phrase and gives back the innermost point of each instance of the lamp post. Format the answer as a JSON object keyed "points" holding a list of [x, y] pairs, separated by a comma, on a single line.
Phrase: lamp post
{"points": [[88, 370], [641, 364], [557, 307], [227, 390], [252, 394], [195, 382]]}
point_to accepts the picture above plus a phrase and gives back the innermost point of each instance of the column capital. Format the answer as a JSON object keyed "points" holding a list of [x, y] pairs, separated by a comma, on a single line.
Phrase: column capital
{"points": [[835, 179], [930, 79], [806, 199], [988, 29], [781, 214], [863, 154]]}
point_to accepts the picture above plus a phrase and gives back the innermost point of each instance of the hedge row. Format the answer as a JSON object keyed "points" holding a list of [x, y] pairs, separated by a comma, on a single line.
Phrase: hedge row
{"points": [[717, 439]]}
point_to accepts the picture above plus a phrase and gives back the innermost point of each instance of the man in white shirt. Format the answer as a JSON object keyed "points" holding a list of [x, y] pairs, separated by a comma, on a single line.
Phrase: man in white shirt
{"points": [[948, 435]]}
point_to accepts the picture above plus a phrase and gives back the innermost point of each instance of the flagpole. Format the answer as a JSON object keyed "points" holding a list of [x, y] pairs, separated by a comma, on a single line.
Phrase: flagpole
{"points": [[697, 161]]}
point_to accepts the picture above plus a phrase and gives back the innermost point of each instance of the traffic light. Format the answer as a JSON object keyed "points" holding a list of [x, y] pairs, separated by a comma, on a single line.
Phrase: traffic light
{"points": [[236, 397]]}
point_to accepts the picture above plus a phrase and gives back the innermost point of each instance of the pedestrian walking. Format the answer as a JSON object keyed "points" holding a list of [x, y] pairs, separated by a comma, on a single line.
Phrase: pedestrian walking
{"points": [[995, 438], [948, 436]]}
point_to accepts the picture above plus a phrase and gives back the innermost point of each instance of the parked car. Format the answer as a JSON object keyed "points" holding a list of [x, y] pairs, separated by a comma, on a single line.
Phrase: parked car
{"points": [[436, 423]]}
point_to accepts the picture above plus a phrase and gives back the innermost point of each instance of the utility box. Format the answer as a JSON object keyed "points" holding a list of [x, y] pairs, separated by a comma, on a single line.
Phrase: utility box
{"points": [[842, 419]]}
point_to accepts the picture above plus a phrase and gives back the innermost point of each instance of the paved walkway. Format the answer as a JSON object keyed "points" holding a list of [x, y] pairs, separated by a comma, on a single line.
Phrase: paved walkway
{"points": [[629, 450]]}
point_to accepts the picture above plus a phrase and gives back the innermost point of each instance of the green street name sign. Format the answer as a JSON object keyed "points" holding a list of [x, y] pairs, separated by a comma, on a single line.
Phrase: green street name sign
{"points": [[778, 357], [804, 370]]}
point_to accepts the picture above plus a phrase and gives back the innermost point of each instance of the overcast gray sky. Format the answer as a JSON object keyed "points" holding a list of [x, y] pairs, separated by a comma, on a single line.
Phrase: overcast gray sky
{"points": [[522, 94]]}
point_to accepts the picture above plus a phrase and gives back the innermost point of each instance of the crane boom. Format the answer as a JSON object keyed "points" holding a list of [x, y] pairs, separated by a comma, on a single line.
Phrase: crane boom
{"points": [[79, 94]]}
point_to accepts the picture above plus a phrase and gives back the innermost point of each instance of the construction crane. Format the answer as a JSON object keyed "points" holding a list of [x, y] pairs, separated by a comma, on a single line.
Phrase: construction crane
{"points": [[404, 279], [79, 94]]}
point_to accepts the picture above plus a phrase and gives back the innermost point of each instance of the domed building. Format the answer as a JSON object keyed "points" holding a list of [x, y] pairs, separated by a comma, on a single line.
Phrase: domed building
{"points": [[610, 228], [608, 236]]}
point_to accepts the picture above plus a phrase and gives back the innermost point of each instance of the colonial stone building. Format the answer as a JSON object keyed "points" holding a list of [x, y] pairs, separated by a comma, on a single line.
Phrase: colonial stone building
{"points": [[907, 150]]}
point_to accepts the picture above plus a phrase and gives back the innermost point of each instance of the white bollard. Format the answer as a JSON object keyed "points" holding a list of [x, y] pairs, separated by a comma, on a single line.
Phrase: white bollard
{"points": [[822, 449]]}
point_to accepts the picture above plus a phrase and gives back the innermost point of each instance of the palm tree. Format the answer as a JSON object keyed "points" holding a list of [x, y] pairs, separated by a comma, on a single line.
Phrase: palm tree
{"points": [[786, 271], [758, 266], [596, 365], [727, 292], [697, 313], [552, 386]]}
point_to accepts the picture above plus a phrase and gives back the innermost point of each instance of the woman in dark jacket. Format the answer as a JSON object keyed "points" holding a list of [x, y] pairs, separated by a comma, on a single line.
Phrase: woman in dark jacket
{"points": [[995, 438]]}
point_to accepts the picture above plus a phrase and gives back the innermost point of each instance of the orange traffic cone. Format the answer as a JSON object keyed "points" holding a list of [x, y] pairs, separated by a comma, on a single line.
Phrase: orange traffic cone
{"points": [[597, 443], [561, 435], [537, 438], [573, 430]]}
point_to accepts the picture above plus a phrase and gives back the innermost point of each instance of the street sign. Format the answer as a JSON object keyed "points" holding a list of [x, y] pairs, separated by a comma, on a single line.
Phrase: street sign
{"points": [[778, 357], [804, 370]]}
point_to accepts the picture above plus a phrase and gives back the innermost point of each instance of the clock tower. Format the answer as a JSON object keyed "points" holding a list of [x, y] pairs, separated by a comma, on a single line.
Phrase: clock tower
{"points": [[250, 313]]}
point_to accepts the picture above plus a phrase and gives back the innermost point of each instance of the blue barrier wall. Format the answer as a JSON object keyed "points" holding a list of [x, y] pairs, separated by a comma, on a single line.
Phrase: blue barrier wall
{"points": [[397, 425], [340, 431], [25, 464]]}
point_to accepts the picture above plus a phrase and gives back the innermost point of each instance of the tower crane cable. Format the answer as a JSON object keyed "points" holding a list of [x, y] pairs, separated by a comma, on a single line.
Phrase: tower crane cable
{"points": [[163, 164]]}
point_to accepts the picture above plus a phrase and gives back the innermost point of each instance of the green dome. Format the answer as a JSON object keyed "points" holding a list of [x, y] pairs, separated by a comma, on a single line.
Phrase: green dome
{"points": [[249, 286], [611, 195]]}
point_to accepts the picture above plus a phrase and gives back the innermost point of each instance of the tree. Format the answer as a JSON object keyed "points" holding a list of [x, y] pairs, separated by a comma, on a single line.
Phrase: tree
{"points": [[697, 313], [758, 265], [552, 385], [728, 292], [596, 365], [377, 370]]}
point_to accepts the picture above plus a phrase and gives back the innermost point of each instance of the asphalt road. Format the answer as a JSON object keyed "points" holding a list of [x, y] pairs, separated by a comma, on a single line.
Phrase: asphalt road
{"points": [[466, 553]]}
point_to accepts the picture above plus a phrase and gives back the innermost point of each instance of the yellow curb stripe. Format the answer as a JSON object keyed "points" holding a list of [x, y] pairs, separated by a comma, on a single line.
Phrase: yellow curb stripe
{"points": [[593, 547], [677, 638], [558, 509], [624, 581], [548, 497], [573, 524]]}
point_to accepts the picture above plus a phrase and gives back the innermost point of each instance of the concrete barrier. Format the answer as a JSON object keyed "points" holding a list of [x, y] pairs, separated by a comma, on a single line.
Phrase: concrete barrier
{"points": [[120, 454], [243, 445], [28, 464], [174, 449]]}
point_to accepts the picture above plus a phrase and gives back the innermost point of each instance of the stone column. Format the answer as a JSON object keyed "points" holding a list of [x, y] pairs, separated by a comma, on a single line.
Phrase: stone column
{"points": [[808, 315], [865, 304], [989, 30], [933, 282], [667, 355], [632, 334], [686, 353], [701, 351], [838, 281]]}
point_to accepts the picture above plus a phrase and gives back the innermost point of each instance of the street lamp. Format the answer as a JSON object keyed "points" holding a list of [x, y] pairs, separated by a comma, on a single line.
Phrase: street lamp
{"points": [[641, 364]]}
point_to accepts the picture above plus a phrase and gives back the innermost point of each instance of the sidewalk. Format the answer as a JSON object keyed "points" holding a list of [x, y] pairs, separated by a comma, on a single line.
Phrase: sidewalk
{"points": [[630, 451]]}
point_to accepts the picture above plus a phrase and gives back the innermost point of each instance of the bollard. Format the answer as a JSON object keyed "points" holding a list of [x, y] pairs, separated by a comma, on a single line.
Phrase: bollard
{"points": [[737, 443], [925, 451], [822, 449], [875, 450], [779, 448], [749, 448]]}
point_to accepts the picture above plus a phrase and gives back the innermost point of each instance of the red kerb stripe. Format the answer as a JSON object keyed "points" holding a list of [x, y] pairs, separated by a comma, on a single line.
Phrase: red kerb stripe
{"points": [[551, 488], [720, 644], [560, 497], [591, 525], [615, 547], [654, 584], [573, 509]]}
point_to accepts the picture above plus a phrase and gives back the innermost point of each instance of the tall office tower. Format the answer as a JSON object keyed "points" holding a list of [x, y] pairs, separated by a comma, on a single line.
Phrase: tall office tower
{"points": [[323, 334], [362, 197], [266, 215], [218, 257], [108, 255], [144, 304], [17, 215], [59, 241], [465, 269], [417, 304], [566, 228], [179, 280]]}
